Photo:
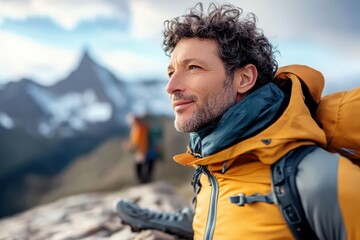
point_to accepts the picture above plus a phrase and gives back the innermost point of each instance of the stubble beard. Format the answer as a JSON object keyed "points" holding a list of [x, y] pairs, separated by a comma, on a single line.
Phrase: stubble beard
{"points": [[214, 105]]}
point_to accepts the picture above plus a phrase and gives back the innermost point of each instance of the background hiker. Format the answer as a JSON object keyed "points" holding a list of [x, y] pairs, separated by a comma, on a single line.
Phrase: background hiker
{"points": [[144, 151]]}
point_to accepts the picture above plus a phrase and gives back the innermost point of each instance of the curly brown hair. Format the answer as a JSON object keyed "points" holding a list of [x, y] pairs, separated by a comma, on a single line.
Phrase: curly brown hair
{"points": [[240, 41]]}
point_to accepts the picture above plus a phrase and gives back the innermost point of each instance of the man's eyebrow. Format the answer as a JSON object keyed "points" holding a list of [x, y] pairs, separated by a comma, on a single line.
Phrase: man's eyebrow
{"points": [[186, 61]]}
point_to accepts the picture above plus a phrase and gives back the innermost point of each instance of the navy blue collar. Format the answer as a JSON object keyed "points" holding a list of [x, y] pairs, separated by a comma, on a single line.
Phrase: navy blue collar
{"points": [[245, 119]]}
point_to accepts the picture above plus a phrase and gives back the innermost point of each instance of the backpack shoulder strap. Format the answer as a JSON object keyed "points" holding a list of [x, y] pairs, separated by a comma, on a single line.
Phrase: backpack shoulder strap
{"points": [[283, 174]]}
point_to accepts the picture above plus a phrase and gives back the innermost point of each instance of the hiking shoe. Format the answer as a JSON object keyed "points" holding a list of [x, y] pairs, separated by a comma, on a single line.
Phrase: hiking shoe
{"points": [[177, 223]]}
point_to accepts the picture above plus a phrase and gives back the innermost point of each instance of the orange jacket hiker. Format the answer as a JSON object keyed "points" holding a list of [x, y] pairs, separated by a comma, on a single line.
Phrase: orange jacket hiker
{"points": [[139, 138]]}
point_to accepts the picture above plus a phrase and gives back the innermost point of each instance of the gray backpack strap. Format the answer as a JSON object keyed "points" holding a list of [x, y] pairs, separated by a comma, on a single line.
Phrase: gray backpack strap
{"points": [[241, 199], [283, 174]]}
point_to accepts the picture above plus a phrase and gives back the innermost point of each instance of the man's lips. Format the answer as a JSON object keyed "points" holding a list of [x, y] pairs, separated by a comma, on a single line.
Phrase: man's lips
{"points": [[179, 104]]}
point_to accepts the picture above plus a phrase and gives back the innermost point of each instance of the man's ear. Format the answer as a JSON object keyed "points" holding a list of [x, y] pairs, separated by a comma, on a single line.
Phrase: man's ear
{"points": [[245, 78]]}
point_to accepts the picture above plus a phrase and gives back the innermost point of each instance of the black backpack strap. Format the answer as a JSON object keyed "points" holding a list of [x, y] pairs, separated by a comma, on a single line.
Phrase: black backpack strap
{"points": [[286, 193]]}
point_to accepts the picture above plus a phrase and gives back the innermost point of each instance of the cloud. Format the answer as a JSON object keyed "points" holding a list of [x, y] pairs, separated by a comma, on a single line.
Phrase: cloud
{"points": [[330, 24], [22, 57], [67, 13], [334, 65], [133, 66], [148, 16]]}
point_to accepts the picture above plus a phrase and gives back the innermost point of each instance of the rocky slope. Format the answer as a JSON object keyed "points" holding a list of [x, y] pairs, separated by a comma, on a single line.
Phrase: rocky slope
{"points": [[91, 216]]}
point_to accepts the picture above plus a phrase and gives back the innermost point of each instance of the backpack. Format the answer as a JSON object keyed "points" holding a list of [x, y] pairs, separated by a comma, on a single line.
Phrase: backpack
{"points": [[283, 174], [337, 115], [155, 137]]}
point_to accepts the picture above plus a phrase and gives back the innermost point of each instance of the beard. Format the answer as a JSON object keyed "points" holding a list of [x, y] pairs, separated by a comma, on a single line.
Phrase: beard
{"points": [[212, 107]]}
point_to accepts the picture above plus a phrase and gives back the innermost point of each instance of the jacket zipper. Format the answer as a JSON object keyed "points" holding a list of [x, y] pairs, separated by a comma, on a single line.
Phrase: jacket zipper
{"points": [[210, 225]]}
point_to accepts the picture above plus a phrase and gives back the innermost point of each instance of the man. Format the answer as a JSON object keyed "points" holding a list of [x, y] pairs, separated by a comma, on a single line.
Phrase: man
{"points": [[243, 115]]}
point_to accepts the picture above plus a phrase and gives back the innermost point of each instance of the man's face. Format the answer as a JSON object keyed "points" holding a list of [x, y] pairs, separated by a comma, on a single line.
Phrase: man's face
{"points": [[199, 89]]}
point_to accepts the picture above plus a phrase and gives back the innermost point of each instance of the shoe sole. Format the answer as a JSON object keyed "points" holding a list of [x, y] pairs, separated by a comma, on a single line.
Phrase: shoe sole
{"points": [[137, 225]]}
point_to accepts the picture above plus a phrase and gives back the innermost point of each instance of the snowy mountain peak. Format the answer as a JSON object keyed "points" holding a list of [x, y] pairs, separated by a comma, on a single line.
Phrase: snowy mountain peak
{"points": [[86, 60], [90, 98]]}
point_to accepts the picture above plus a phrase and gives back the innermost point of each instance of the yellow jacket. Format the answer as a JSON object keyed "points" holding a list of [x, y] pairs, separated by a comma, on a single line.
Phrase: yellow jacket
{"points": [[244, 166]]}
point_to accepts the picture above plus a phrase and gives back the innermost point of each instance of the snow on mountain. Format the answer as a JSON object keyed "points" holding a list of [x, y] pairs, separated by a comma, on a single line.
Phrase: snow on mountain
{"points": [[110, 88], [6, 121], [73, 109], [149, 97], [89, 99], [18, 105]]}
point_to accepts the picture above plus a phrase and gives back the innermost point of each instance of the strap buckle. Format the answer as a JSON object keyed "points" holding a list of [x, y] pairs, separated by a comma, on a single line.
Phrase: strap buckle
{"points": [[241, 199]]}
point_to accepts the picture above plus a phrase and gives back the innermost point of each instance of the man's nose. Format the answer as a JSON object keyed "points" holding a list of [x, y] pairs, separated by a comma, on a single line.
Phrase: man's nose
{"points": [[175, 83]]}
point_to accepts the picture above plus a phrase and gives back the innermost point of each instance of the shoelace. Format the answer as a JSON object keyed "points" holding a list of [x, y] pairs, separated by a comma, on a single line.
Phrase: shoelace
{"points": [[171, 216]]}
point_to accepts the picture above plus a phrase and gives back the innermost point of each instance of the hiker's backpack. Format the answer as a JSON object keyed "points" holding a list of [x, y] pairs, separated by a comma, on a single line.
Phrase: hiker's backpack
{"points": [[283, 174], [337, 115], [155, 137]]}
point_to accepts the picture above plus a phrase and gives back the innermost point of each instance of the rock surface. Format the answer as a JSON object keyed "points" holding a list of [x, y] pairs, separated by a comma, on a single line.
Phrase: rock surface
{"points": [[90, 216]]}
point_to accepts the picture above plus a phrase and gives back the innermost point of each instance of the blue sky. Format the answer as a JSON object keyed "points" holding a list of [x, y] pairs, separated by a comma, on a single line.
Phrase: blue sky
{"points": [[44, 39]]}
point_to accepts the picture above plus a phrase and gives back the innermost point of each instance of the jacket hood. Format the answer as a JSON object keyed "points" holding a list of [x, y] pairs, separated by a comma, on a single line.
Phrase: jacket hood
{"points": [[311, 78], [295, 126]]}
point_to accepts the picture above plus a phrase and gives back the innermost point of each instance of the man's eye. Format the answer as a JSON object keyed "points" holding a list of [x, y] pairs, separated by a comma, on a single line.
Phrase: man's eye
{"points": [[193, 67], [170, 74]]}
